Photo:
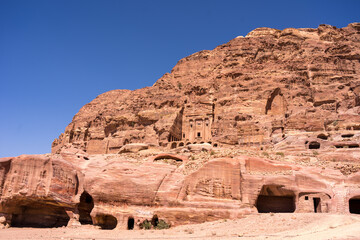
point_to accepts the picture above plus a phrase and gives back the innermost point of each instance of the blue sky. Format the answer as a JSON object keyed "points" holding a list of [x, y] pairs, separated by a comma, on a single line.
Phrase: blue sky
{"points": [[57, 55]]}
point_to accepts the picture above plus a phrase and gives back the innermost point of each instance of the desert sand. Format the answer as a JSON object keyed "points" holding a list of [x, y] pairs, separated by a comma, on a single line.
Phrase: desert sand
{"points": [[258, 226]]}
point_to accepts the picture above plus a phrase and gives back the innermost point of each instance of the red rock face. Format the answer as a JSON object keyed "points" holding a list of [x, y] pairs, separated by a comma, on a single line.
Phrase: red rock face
{"points": [[108, 190], [187, 150], [37, 190], [255, 90]]}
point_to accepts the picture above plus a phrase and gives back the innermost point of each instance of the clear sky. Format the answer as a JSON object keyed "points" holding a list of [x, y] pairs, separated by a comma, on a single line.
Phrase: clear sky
{"points": [[57, 55]]}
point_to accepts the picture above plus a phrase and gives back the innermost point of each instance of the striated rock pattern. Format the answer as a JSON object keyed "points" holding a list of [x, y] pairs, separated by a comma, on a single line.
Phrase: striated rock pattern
{"points": [[113, 191], [269, 122], [38, 190], [258, 90]]}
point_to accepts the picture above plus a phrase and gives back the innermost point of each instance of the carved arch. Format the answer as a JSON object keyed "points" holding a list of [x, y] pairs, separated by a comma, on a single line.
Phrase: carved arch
{"points": [[275, 104]]}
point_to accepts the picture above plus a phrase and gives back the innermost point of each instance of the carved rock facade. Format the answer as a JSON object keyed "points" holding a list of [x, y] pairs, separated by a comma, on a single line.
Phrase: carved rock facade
{"points": [[255, 91], [294, 92], [47, 191]]}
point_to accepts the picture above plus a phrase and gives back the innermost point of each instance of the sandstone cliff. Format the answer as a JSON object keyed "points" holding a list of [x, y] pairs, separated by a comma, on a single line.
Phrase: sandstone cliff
{"points": [[113, 191], [269, 122], [259, 90]]}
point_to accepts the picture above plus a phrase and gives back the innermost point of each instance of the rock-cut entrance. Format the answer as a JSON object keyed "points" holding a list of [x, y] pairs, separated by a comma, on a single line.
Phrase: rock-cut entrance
{"points": [[39, 215], [85, 206], [354, 205], [276, 199]]}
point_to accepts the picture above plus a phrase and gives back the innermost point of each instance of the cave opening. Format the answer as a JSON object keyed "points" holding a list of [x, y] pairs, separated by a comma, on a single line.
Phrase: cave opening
{"points": [[317, 205], [354, 205], [155, 220], [276, 199], [322, 136], [173, 145], [85, 207], [39, 215], [130, 223], [106, 221], [353, 145], [347, 135], [314, 145]]}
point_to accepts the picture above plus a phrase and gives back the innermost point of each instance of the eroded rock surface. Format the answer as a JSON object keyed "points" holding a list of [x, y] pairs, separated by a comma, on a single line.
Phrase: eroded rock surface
{"points": [[269, 122], [260, 90], [111, 190], [38, 190]]}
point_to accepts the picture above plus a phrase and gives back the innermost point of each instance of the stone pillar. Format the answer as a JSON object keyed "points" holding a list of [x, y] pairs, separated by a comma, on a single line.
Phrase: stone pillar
{"points": [[74, 218], [122, 222]]}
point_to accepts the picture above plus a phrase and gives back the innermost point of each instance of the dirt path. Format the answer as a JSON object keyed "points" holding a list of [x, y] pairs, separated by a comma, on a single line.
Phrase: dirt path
{"points": [[260, 226]]}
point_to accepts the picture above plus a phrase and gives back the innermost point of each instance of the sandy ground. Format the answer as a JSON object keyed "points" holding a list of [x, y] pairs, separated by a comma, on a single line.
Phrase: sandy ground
{"points": [[260, 226]]}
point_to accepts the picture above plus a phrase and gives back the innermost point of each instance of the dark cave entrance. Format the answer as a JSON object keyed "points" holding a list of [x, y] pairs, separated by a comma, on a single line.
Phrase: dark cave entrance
{"points": [[106, 221], [173, 145], [39, 215], [154, 221], [130, 223], [354, 205], [85, 206], [322, 136], [314, 145], [317, 205], [273, 198]]}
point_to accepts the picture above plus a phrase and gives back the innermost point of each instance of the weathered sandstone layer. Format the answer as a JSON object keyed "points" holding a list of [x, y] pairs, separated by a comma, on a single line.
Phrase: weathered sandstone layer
{"points": [[116, 191], [267, 89], [269, 122]]}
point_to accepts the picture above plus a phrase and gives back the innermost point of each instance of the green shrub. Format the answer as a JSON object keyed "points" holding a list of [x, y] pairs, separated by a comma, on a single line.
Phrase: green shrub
{"points": [[154, 223], [146, 224], [162, 224], [266, 154], [280, 154]]}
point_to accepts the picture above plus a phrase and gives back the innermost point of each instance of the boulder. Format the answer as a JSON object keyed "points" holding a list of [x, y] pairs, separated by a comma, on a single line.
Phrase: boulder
{"points": [[134, 147], [200, 147]]}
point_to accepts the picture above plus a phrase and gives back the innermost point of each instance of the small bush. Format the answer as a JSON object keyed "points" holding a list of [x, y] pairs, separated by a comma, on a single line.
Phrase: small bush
{"points": [[179, 85], [266, 154], [154, 223], [280, 154], [146, 224], [162, 224]]}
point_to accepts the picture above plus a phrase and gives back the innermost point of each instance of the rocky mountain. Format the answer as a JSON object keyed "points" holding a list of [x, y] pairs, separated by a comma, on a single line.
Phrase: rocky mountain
{"points": [[269, 122], [261, 90]]}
